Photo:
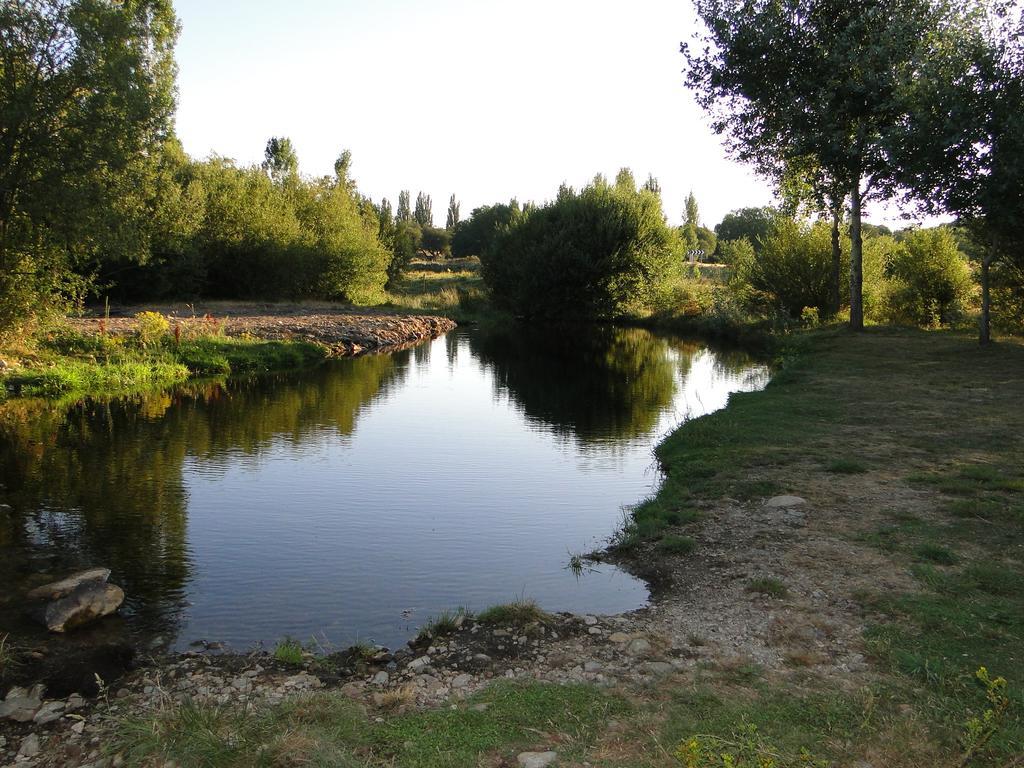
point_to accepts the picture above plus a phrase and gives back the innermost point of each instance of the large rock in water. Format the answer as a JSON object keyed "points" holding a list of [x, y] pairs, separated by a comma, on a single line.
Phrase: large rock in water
{"points": [[66, 586], [89, 601]]}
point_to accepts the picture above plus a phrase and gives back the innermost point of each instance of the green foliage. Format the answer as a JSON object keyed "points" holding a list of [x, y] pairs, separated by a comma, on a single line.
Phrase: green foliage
{"points": [[404, 213], [87, 93], [452, 222], [476, 235], [280, 161], [72, 363], [792, 271], [408, 239], [436, 242], [424, 214], [289, 651], [600, 253], [932, 282], [752, 224], [152, 327]]}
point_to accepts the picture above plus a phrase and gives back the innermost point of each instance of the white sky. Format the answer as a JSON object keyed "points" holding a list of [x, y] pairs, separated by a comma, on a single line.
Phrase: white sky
{"points": [[489, 100]]}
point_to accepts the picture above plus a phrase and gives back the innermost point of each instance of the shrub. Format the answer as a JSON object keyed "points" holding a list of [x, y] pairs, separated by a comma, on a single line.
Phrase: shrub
{"points": [[932, 282], [289, 650], [151, 327], [600, 253], [793, 270]]}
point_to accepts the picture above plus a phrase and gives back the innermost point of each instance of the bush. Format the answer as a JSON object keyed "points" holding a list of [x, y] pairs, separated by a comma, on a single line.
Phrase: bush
{"points": [[152, 327], [793, 270], [931, 279], [601, 253]]}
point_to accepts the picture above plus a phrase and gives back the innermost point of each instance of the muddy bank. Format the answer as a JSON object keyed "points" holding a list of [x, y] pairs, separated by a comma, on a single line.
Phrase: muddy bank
{"points": [[342, 330]]}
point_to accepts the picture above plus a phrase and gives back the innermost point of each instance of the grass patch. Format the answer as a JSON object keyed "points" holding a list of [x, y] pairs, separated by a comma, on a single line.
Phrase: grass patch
{"points": [[289, 650], [846, 467], [933, 553], [768, 586], [69, 363], [330, 730], [677, 545], [518, 614], [443, 624]]}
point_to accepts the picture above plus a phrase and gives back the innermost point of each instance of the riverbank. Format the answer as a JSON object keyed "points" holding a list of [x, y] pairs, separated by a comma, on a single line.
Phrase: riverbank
{"points": [[135, 348], [839, 555]]}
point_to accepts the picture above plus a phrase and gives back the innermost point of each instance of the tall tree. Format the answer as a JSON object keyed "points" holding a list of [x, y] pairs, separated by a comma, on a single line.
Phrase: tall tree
{"points": [[624, 180], [820, 81], [652, 184], [86, 92], [343, 169], [404, 213], [424, 213], [280, 160], [453, 214], [691, 220], [964, 149]]}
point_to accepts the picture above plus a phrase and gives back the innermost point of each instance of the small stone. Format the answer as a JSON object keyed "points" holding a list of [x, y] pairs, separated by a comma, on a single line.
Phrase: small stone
{"points": [[78, 727], [417, 664], [29, 746], [779, 502], [638, 647], [659, 667], [482, 707], [620, 638], [462, 681], [20, 709], [594, 631], [49, 712], [593, 666], [381, 678], [590, 620], [483, 658], [536, 759]]}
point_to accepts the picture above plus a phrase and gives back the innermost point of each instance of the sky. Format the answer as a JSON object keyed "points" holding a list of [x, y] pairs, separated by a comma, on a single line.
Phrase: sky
{"points": [[487, 100]]}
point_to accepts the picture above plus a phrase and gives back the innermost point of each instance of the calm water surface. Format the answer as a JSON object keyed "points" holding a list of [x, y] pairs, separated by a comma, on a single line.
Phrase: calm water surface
{"points": [[354, 501]]}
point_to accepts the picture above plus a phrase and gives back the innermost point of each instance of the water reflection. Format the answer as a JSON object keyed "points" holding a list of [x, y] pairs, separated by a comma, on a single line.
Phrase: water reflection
{"points": [[331, 502]]}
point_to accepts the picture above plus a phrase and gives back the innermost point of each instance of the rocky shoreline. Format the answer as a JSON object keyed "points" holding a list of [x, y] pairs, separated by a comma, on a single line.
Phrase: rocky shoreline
{"points": [[702, 615], [36, 731], [343, 331]]}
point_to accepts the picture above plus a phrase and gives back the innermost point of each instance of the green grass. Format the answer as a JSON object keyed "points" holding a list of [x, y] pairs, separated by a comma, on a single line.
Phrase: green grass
{"points": [[677, 545], [445, 623], [289, 650], [768, 586], [889, 394], [519, 613], [331, 730], [70, 363], [459, 294], [933, 553], [846, 467]]}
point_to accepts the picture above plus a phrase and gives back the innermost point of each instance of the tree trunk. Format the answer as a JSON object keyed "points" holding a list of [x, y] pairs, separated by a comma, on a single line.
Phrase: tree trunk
{"points": [[835, 300], [986, 300], [856, 262]]}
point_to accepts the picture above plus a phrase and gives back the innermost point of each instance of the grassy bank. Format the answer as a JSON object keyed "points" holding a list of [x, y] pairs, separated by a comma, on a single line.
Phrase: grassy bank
{"points": [[63, 362], [927, 422], [453, 288], [934, 421]]}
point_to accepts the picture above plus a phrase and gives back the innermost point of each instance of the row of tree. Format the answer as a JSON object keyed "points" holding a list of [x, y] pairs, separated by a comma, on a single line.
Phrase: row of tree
{"points": [[98, 197], [843, 103]]}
